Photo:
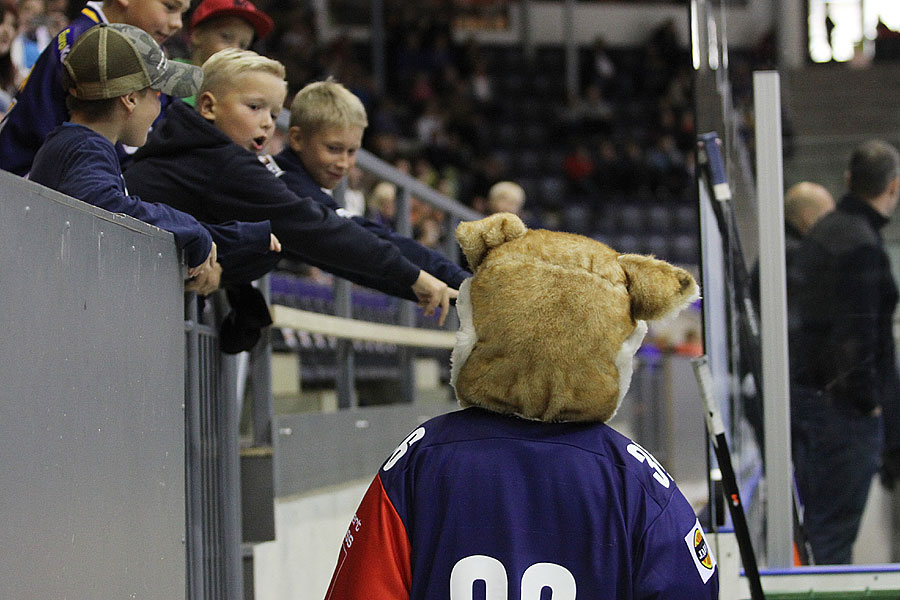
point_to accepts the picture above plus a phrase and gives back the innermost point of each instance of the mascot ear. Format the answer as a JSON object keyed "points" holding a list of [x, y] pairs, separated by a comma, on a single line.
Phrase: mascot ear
{"points": [[477, 237], [657, 289]]}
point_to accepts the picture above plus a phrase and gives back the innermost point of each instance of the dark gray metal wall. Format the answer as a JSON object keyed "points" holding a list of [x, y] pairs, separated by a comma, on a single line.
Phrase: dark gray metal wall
{"points": [[91, 402], [315, 450]]}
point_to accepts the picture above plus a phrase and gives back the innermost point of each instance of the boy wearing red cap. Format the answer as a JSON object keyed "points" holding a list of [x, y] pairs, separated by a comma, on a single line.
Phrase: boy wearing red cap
{"points": [[220, 24]]}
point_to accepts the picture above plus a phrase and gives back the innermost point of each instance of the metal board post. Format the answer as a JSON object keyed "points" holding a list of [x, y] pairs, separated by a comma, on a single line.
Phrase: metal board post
{"points": [[261, 376], [775, 386], [343, 307], [345, 380], [229, 426], [193, 462], [407, 315]]}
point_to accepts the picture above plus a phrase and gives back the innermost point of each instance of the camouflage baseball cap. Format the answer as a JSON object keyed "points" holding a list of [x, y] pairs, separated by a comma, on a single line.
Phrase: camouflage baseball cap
{"points": [[113, 59]]}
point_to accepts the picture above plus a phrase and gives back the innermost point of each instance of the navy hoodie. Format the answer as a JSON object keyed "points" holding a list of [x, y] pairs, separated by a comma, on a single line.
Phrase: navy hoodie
{"points": [[191, 165], [82, 163], [298, 179]]}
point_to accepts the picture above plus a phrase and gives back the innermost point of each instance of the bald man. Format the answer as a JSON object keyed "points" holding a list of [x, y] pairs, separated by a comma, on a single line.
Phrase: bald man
{"points": [[804, 204]]}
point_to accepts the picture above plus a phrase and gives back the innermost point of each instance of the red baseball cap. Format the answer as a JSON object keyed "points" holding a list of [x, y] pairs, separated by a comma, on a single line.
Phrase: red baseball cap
{"points": [[244, 9]]}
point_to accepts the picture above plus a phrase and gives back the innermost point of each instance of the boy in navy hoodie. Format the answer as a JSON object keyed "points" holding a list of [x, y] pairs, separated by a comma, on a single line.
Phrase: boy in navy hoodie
{"points": [[326, 130], [204, 161]]}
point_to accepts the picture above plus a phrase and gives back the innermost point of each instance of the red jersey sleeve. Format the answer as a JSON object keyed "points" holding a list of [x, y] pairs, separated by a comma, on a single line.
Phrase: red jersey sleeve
{"points": [[374, 558]]}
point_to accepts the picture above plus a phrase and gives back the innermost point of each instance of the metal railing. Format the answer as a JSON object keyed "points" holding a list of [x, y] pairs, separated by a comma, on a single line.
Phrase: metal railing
{"points": [[212, 470], [407, 188]]}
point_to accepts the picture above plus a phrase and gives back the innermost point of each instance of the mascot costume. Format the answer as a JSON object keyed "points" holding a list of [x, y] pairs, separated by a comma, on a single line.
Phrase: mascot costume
{"points": [[525, 493]]}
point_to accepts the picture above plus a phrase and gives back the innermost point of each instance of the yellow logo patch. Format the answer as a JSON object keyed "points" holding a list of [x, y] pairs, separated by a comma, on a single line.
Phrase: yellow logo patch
{"points": [[700, 551]]}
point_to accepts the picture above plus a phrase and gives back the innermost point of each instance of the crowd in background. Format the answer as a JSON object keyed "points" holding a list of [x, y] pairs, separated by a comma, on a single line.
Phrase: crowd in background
{"points": [[627, 136], [462, 116]]}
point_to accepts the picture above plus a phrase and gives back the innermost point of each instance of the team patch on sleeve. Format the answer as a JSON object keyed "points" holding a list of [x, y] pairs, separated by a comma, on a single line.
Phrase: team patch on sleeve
{"points": [[700, 552], [270, 164], [64, 43]]}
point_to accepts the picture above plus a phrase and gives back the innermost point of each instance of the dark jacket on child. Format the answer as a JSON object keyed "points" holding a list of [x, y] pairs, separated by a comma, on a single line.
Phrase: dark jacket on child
{"points": [[292, 172], [81, 163], [189, 164]]}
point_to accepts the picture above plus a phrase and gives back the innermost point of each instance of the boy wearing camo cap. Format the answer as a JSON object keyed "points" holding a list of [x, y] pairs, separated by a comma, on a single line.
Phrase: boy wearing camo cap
{"points": [[114, 75]]}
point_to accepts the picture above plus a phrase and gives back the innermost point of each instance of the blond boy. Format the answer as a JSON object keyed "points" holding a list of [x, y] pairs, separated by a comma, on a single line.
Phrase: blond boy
{"points": [[505, 196], [41, 103], [326, 129], [204, 162]]}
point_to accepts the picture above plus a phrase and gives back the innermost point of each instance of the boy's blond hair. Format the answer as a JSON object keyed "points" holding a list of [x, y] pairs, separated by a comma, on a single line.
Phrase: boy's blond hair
{"points": [[504, 195], [327, 104], [381, 194], [220, 69]]}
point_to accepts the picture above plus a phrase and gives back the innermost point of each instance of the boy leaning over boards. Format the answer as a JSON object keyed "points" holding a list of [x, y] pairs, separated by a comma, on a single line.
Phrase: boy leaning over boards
{"points": [[204, 161], [40, 104], [326, 129], [114, 75]]}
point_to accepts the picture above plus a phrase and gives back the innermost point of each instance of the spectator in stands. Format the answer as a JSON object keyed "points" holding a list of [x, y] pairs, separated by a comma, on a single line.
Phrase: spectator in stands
{"points": [[326, 129], [506, 196], [690, 345], [599, 68], [354, 196], [382, 204], [8, 73], [56, 15], [482, 86], [114, 75], [590, 113], [41, 104], [220, 24], [579, 167], [606, 169], [33, 34], [632, 167], [234, 118]]}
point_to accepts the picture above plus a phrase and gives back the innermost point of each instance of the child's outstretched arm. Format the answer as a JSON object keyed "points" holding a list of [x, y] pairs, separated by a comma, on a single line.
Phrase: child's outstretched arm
{"points": [[204, 278], [432, 293]]}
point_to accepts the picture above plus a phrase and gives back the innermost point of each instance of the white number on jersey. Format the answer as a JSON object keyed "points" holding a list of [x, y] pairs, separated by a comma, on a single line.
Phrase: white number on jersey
{"points": [[642, 455], [411, 439], [491, 571]]}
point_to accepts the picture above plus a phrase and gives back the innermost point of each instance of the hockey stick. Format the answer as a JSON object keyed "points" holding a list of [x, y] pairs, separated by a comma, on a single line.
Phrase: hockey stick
{"points": [[713, 169], [716, 429]]}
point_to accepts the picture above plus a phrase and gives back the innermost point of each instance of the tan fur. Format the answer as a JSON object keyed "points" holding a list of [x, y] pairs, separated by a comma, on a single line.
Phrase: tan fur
{"points": [[551, 311]]}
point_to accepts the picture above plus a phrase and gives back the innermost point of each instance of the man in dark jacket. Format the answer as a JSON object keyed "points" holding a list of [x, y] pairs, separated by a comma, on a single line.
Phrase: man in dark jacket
{"points": [[843, 371]]}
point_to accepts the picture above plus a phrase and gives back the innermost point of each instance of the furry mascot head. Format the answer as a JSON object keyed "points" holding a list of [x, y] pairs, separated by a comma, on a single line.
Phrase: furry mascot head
{"points": [[550, 322]]}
